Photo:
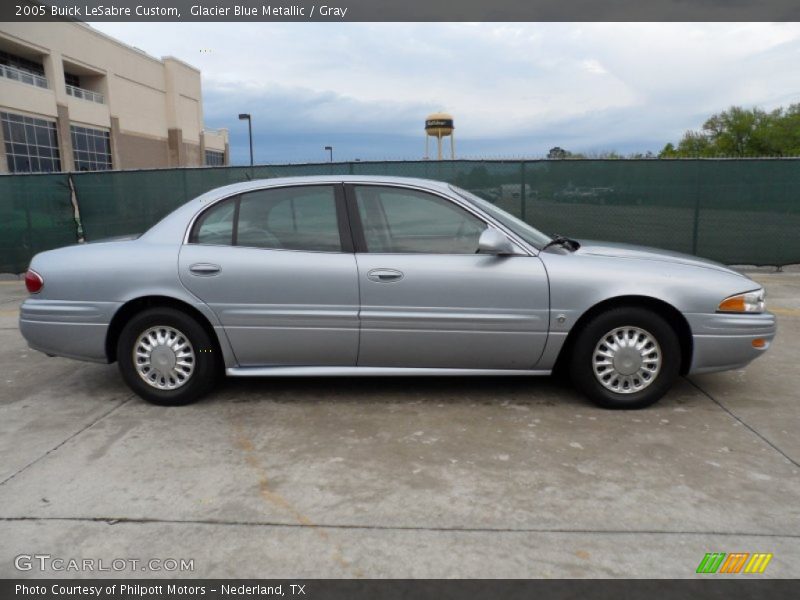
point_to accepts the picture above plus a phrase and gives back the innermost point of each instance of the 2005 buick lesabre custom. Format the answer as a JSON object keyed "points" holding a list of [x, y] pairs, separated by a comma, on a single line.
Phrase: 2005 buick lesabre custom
{"points": [[385, 276]]}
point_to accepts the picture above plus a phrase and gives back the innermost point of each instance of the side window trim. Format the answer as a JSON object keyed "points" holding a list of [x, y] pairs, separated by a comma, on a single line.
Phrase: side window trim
{"points": [[235, 233], [346, 234], [356, 226]]}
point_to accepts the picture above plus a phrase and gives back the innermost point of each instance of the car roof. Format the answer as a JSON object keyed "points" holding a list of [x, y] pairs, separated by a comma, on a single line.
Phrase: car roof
{"points": [[244, 186]]}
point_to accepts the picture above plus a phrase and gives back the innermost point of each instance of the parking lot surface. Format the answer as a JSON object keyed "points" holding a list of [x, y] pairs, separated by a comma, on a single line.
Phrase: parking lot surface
{"points": [[465, 477]]}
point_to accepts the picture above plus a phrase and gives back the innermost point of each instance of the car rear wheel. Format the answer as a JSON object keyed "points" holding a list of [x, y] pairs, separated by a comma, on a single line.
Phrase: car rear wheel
{"points": [[166, 357], [626, 358]]}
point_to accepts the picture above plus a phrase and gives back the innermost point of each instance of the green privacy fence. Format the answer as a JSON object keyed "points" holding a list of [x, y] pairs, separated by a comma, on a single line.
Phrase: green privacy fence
{"points": [[737, 211], [36, 214]]}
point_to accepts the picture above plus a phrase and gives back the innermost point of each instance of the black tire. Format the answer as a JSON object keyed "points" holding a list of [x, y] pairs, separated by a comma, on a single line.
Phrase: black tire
{"points": [[582, 361], [202, 374]]}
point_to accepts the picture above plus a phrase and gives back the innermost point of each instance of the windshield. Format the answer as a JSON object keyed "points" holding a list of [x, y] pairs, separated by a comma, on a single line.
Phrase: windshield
{"points": [[533, 236]]}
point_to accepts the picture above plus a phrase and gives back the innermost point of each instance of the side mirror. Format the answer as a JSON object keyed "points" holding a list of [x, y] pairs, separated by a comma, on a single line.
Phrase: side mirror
{"points": [[494, 242]]}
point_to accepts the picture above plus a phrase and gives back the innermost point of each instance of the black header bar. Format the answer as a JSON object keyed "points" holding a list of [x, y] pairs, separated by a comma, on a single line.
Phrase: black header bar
{"points": [[400, 10]]}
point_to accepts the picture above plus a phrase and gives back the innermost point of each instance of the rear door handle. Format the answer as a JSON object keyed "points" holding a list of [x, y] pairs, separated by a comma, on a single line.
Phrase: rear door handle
{"points": [[205, 269], [385, 275]]}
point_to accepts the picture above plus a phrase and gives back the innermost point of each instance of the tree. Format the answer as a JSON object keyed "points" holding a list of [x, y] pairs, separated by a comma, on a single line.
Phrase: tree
{"points": [[742, 132], [782, 135]]}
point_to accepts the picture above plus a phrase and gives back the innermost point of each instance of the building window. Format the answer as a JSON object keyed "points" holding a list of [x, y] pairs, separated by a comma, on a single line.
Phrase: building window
{"points": [[21, 64], [91, 148], [31, 144], [214, 158], [71, 79], [21, 69]]}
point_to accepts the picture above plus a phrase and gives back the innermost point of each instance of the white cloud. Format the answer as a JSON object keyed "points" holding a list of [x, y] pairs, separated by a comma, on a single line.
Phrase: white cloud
{"points": [[599, 85], [592, 65]]}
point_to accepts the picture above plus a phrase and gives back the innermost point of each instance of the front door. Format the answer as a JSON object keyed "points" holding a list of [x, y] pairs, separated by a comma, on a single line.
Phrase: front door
{"points": [[278, 270], [427, 298]]}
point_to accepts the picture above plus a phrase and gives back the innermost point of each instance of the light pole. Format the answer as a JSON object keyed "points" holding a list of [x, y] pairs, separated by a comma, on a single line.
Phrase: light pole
{"points": [[246, 116], [330, 149]]}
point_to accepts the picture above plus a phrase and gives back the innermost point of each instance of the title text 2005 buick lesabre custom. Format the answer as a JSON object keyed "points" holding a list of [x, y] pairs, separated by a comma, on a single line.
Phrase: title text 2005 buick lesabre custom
{"points": [[385, 276]]}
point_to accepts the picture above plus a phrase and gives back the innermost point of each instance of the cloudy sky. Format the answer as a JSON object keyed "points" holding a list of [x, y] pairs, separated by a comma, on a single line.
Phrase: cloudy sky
{"points": [[514, 89]]}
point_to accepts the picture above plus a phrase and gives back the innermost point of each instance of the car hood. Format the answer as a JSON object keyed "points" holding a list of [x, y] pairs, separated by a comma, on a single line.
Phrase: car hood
{"points": [[618, 250]]}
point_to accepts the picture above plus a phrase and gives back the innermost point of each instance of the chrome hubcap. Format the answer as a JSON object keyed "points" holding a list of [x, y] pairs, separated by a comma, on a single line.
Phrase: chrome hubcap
{"points": [[626, 360], [164, 358]]}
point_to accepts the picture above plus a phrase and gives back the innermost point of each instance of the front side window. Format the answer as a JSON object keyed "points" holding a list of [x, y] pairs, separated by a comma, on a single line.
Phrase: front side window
{"points": [[294, 218], [534, 237], [399, 221]]}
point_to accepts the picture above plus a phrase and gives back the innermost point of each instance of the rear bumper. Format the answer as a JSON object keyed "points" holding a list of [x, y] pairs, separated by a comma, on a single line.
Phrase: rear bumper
{"points": [[725, 341], [71, 329]]}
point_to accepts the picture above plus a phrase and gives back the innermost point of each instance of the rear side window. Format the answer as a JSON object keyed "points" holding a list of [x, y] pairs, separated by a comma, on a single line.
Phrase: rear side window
{"points": [[293, 218], [297, 218], [215, 226]]}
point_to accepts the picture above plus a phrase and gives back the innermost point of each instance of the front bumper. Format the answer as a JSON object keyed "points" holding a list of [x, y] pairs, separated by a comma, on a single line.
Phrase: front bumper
{"points": [[67, 328], [725, 341]]}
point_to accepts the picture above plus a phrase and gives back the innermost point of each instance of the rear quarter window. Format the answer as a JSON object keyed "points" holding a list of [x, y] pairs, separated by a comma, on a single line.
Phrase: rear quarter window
{"points": [[215, 226]]}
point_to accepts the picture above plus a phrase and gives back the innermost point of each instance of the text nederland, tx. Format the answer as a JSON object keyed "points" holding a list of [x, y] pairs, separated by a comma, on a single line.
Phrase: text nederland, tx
{"points": [[170, 589]]}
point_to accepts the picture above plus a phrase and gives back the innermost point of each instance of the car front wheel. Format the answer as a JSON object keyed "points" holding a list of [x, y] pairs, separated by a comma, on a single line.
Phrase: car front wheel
{"points": [[626, 358], [166, 357]]}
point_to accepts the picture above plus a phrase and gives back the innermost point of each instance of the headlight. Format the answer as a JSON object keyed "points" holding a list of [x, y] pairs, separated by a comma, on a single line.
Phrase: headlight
{"points": [[749, 302]]}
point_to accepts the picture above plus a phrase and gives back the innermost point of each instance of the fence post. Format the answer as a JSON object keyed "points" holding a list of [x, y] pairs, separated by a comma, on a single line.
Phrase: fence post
{"points": [[523, 191]]}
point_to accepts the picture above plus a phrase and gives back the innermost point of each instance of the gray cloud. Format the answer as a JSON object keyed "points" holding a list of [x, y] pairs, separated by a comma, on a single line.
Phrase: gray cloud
{"points": [[514, 88]]}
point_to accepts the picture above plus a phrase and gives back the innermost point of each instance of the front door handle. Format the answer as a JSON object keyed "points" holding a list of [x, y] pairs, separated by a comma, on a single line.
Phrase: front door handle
{"points": [[385, 275], [205, 269]]}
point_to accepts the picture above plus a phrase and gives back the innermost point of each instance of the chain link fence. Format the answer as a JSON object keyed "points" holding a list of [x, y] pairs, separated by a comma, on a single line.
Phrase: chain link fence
{"points": [[736, 211]]}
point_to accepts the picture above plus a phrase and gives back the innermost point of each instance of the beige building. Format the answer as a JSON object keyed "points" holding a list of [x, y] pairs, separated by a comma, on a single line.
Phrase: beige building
{"points": [[75, 99]]}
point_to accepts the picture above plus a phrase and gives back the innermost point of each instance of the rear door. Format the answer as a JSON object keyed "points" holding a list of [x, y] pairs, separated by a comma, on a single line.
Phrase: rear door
{"points": [[276, 266], [427, 298]]}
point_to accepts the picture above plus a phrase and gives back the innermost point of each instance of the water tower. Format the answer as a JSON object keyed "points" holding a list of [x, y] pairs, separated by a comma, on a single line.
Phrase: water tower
{"points": [[440, 125]]}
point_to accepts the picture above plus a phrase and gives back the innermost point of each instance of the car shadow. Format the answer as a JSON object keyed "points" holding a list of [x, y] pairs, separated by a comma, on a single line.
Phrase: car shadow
{"points": [[546, 391]]}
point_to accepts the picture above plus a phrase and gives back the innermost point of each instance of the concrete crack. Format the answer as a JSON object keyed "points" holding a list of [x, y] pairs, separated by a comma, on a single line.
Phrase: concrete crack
{"points": [[71, 437], [743, 422], [113, 521]]}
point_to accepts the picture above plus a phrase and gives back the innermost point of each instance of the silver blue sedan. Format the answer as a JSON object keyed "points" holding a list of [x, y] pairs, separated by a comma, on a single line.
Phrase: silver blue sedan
{"points": [[355, 276]]}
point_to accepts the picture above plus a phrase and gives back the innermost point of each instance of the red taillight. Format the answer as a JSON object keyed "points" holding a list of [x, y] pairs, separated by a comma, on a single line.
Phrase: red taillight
{"points": [[33, 281]]}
